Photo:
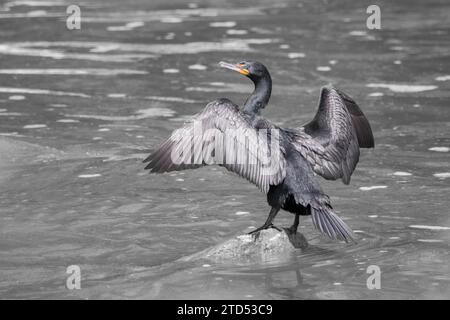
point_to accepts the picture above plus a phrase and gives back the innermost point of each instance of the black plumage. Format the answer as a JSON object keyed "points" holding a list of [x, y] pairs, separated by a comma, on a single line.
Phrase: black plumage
{"points": [[329, 146]]}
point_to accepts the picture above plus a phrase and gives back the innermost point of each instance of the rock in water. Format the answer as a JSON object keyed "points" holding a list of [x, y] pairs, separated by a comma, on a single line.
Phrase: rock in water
{"points": [[265, 245]]}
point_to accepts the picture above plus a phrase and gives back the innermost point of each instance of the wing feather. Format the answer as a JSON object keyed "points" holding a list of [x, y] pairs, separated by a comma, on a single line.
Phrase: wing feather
{"points": [[331, 142], [245, 150]]}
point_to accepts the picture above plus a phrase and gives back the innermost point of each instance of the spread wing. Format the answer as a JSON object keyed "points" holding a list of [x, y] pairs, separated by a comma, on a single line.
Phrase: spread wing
{"points": [[222, 135], [331, 141]]}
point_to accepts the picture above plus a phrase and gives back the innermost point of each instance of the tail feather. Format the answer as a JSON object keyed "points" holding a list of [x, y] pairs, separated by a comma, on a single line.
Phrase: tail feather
{"points": [[327, 222]]}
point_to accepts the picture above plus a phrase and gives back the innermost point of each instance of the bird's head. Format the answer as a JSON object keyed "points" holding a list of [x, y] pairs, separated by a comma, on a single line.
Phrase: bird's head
{"points": [[251, 69]]}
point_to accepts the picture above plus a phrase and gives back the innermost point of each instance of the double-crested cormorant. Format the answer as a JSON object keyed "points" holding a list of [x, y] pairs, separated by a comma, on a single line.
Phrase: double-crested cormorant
{"points": [[328, 146]]}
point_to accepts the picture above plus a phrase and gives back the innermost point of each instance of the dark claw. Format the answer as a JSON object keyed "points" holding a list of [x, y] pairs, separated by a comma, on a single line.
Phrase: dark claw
{"points": [[276, 228], [264, 227]]}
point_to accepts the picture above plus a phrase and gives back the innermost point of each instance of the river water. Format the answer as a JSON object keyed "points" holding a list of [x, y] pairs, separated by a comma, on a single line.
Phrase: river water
{"points": [[80, 109]]}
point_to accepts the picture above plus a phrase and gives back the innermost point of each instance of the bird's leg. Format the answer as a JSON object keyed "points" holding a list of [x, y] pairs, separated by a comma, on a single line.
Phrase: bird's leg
{"points": [[268, 223], [293, 229]]}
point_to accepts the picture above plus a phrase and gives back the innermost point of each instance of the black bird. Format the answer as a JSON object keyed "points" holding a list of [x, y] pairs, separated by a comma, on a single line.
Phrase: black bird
{"points": [[328, 146]]}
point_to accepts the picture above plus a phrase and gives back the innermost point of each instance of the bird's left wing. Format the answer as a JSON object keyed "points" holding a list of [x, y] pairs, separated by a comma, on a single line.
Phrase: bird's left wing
{"points": [[222, 135], [331, 141]]}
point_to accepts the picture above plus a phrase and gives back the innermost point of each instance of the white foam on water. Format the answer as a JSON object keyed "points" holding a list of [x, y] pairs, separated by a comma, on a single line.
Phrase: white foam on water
{"points": [[128, 52], [34, 3], [104, 130], [128, 27], [372, 188], [430, 240], [358, 33], [58, 54], [323, 68], [416, 226], [397, 62], [376, 94], [296, 55], [223, 24], [440, 149], [37, 13], [42, 91], [394, 238], [169, 36], [155, 112], [35, 126], [93, 175], [67, 120], [332, 62], [402, 173], [116, 95], [284, 46], [140, 114], [31, 14], [226, 87], [442, 175], [11, 114], [206, 265], [16, 97], [203, 89], [179, 180], [171, 70], [170, 15], [197, 67], [171, 99], [68, 72], [171, 20], [373, 216], [58, 105], [443, 78], [337, 284], [11, 134], [236, 32], [402, 88], [241, 213]]}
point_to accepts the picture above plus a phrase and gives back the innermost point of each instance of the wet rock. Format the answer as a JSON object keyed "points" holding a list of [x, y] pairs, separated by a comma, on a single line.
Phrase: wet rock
{"points": [[265, 245]]}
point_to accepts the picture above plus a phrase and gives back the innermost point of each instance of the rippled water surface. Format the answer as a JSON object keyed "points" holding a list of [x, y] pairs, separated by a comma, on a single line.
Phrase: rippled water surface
{"points": [[80, 109]]}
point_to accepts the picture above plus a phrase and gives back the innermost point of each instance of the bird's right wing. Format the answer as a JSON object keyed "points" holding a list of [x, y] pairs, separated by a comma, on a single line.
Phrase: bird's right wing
{"points": [[222, 135]]}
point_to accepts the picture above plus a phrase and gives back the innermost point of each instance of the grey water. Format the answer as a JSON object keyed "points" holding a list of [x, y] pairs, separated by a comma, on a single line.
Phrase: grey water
{"points": [[80, 109]]}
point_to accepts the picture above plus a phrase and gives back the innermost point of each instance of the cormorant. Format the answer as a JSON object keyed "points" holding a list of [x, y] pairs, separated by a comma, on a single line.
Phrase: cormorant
{"points": [[328, 146]]}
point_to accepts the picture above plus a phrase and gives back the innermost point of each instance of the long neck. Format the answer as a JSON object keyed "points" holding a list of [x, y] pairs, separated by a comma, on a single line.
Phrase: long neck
{"points": [[260, 96]]}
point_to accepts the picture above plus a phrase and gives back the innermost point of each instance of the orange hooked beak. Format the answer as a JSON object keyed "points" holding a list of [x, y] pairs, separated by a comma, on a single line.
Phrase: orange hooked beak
{"points": [[235, 67]]}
